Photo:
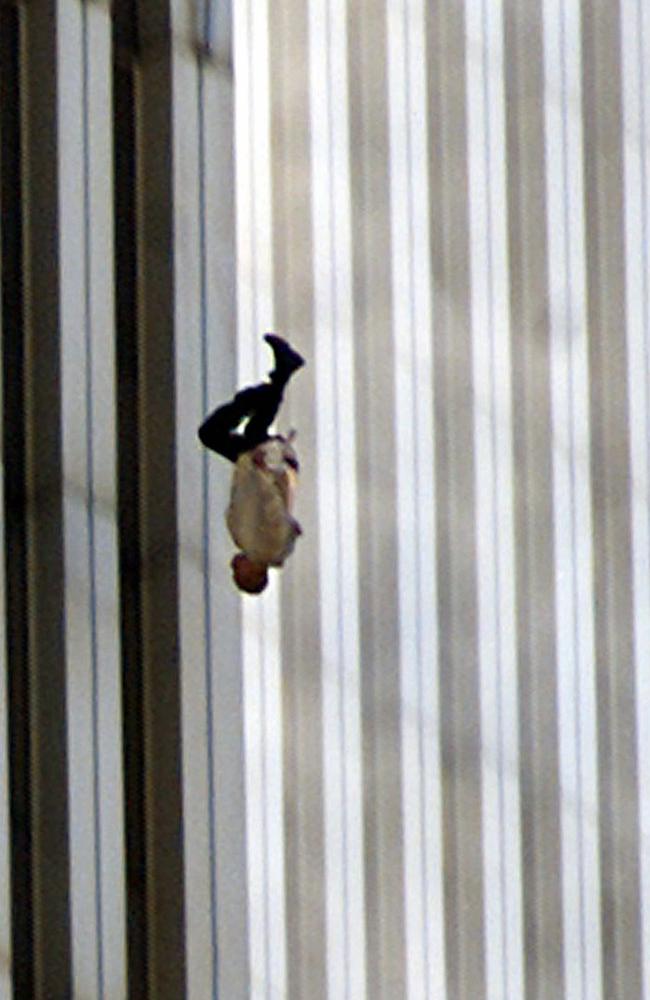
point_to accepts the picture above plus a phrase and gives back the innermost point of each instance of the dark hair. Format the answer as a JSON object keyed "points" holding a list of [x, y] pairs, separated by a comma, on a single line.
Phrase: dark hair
{"points": [[242, 568]]}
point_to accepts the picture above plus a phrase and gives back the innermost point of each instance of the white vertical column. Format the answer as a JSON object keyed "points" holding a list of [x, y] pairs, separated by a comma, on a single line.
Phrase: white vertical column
{"points": [[572, 501], [412, 325], [195, 525], [337, 499], [90, 501], [225, 681], [635, 42], [195, 536], [494, 500], [261, 631]]}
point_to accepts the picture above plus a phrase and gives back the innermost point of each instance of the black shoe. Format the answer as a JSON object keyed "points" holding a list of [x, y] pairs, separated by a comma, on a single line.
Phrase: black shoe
{"points": [[287, 360]]}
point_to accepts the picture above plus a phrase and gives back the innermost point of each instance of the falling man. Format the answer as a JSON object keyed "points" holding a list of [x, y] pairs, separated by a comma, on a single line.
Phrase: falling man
{"points": [[259, 516]]}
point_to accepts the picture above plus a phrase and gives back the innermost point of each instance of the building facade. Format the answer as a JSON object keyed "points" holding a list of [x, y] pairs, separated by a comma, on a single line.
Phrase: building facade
{"points": [[418, 766]]}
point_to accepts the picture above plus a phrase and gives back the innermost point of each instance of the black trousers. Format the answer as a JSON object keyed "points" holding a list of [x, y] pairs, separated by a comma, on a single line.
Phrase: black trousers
{"points": [[258, 403]]}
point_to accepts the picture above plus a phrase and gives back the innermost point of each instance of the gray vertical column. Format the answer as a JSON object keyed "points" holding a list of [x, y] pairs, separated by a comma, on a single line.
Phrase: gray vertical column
{"points": [[5, 829], [160, 654], [539, 776], [457, 609], [635, 66], [16, 860], [293, 294], [610, 478], [42, 945], [374, 365]]}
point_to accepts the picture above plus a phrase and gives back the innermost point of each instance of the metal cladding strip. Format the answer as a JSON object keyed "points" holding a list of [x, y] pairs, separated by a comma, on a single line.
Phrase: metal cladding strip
{"points": [[416, 514], [5, 851], [11, 486], [635, 47], [533, 484], [107, 721], [209, 625], [494, 500], [337, 499], [89, 502], [572, 503], [261, 621], [303, 745], [224, 666], [456, 563], [195, 541], [129, 473], [160, 794], [47, 956], [377, 476], [610, 480]]}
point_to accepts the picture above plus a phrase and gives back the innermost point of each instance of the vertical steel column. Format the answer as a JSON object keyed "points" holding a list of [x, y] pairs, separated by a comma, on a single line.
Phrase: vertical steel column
{"points": [[18, 940], [42, 951], [128, 360], [159, 842], [210, 617], [83, 35], [606, 138]]}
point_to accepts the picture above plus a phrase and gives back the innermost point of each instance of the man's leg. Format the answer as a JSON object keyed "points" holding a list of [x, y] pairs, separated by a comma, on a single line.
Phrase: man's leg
{"points": [[269, 395], [219, 431], [260, 403]]}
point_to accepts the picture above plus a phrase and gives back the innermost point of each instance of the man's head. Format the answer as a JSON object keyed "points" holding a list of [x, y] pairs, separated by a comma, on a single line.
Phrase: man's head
{"points": [[251, 577]]}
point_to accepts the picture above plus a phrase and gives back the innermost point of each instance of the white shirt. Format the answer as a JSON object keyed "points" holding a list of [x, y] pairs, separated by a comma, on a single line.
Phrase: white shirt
{"points": [[259, 517]]}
